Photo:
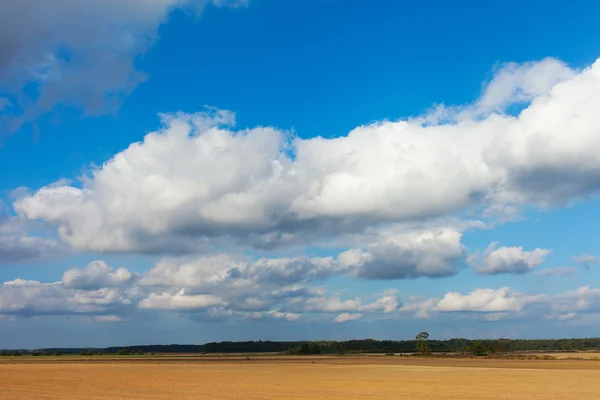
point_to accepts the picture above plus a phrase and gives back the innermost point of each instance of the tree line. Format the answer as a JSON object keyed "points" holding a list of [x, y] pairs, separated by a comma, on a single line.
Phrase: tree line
{"points": [[340, 347]]}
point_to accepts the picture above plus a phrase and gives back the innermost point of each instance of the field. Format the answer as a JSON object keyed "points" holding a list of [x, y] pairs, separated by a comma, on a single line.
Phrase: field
{"points": [[331, 378]]}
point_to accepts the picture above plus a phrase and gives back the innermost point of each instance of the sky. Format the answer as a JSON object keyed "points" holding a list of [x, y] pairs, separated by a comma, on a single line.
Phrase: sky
{"points": [[186, 171]]}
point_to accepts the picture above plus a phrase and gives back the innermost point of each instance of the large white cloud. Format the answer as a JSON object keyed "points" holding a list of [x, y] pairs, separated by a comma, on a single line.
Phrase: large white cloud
{"points": [[510, 260], [79, 53], [195, 180]]}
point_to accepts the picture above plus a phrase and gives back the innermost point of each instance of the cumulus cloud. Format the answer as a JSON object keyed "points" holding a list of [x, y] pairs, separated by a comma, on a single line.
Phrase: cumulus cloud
{"points": [[106, 294], [212, 272], [433, 253], [196, 180], [32, 298], [481, 300], [79, 53], [96, 275], [180, 301], [584, 299], [386, 304], [346, 317], [484, 303], [510, 260], [512, 84]]}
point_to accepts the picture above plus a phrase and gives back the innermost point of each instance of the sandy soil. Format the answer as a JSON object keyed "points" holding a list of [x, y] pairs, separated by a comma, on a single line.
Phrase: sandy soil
{"points": [[327, 378]]}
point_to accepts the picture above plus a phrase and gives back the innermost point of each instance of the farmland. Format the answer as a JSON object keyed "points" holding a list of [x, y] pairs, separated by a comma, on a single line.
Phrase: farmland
{"points": [[277, 377]]}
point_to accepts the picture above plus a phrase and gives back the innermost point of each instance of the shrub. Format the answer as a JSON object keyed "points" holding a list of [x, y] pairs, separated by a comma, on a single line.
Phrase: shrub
{"points": [[99, 353], [140, 352], [47, 353], [479, 349], [15, 353], [122, 352], [57, 353], [36, 353]]}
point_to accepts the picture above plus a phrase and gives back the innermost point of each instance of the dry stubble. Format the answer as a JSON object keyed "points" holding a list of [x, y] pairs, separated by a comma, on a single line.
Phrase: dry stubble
{"points": [[331, 380]]}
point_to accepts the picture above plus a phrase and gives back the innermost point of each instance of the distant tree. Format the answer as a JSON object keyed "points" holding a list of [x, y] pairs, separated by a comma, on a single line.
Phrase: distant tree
{"points": [[58, 353], [122, 352], [479, 349], [36, 353], [99, 353], [422, 345], [140, 352], [15, 353], [47, 353], [500, 347]]}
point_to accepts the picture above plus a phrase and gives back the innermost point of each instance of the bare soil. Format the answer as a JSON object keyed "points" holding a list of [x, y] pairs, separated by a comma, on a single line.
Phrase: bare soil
{"points": [[331, 378]]}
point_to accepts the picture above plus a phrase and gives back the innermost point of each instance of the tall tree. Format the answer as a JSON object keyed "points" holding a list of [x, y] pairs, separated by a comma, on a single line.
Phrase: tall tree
{"points": [[422, 345]]}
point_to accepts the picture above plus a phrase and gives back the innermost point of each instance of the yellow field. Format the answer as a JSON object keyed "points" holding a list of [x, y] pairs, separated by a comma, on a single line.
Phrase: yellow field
{"points": [[328, 378]]}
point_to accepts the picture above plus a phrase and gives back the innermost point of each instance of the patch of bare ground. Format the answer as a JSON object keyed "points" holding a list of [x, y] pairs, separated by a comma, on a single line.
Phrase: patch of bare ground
{"points": [[332, 378]]}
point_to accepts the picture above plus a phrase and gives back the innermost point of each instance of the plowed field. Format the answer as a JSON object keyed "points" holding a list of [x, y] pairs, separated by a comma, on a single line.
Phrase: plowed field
{"points": [[328, 379]]}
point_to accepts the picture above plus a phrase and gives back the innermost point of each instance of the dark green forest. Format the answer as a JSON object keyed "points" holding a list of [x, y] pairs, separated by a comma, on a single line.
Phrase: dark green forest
{"points": [[335, 347]]}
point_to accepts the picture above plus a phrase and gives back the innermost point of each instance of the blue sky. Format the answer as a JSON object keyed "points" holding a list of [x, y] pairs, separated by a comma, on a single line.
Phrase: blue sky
{"points": [[189, 171]]}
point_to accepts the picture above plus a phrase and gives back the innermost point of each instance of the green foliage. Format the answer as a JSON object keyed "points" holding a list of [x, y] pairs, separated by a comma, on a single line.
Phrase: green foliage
{"points": [[140, 352], [422, 346], [459, 345], [479, 349], [319, 347], [36, 353], [122, 352]]}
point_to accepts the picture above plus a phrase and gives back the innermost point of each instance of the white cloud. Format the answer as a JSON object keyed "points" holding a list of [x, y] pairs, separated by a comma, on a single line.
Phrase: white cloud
{"points": [[433, 253], [510, 260], [196, 181], [180, 301], [516, 83], [256, 299], [331, 304], [79, 53], [32, 298], [386, 304], [96, 275], [558, 271], [346, 317], [274, 314], [584, 299], [481, 300], [512, 84]]}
